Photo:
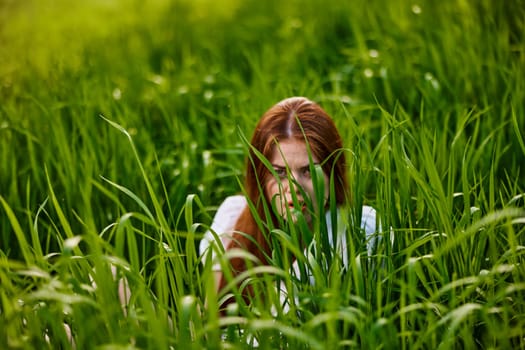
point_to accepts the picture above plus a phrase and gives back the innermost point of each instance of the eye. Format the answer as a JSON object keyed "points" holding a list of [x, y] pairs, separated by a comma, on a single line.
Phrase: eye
{"points": [[281, 172], [306, 172]]}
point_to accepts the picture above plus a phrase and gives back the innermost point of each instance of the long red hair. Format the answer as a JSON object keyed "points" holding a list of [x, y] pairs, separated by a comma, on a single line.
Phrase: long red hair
{"points": [[293, 118]]}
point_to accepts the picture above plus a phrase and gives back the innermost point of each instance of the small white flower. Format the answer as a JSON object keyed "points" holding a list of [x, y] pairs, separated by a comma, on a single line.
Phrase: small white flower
{"points": [[117, 94]]}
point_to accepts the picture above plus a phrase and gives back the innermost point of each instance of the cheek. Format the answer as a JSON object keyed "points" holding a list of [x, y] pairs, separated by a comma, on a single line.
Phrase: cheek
{"points": [[273, 196], [309, 188], [271, 189]]}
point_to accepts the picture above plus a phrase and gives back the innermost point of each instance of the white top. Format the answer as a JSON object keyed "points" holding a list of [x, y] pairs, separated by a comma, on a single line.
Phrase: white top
{"points": [[230, 210]]}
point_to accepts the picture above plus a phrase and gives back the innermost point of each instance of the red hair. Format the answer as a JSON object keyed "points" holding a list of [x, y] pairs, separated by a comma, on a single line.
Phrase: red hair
{"points": [[293, 118]]}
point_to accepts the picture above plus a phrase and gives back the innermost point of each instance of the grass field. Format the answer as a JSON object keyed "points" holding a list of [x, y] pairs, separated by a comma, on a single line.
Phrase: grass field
{"points": [[121, 131]]}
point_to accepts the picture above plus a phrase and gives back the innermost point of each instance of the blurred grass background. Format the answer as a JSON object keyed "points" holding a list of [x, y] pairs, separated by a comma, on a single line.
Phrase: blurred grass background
{"points": [[428, 95], [184, 75]]}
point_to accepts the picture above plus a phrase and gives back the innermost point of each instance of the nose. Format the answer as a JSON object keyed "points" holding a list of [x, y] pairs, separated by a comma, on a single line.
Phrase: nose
{"points": [[293, 186]]}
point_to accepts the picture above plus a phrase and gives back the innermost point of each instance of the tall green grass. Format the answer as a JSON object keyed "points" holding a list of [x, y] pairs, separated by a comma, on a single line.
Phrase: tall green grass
{"points": [[121, 128]]}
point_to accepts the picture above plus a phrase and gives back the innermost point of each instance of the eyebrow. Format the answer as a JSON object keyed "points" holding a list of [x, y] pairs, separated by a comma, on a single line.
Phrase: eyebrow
{"points": [[285, 166]]}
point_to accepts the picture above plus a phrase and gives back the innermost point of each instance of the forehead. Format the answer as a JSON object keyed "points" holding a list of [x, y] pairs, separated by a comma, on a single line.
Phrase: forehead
{"points": [[291, 152]]}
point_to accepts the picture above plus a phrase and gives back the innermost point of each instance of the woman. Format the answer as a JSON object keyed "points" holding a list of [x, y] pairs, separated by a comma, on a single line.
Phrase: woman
{"points": [[292, 139]]}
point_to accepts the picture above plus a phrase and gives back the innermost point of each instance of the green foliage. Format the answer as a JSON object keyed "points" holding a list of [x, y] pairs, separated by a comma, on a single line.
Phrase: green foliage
{"points": [[122, 127]]}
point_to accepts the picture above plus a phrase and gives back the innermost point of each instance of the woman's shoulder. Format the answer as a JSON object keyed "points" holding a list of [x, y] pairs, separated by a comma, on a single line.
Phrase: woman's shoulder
{"points": [[224, 221], [367, 222], [228, 213], [234, 201], [368, 211]]}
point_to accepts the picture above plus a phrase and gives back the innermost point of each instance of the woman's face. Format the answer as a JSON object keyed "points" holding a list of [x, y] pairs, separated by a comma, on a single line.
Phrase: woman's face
{"points": [[290, 159]]}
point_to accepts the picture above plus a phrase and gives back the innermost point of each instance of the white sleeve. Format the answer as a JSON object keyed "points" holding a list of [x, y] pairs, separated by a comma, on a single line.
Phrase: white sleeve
{"points": [[368, 220], [222, 225], [368, 225]]}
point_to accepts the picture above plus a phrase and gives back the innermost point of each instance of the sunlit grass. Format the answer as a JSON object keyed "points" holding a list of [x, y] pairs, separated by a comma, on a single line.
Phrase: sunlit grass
{"points": [[122, 127]]}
